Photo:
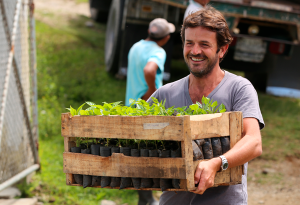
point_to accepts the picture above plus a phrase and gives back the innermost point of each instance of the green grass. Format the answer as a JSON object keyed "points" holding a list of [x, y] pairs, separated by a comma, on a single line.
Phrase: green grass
{"points": [[71, 70], [281, 136]]}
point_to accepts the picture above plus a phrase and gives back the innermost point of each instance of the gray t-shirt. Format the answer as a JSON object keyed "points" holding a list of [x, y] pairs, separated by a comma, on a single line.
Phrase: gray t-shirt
{"points": [[237, 94]]}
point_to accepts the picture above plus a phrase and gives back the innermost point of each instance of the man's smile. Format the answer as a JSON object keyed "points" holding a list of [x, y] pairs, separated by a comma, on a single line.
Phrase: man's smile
{"points": [[197, 59]]}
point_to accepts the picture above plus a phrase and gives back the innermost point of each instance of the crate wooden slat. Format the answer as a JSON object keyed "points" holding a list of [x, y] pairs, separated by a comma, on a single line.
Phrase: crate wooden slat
{"points": [[146, 127], [182, 128], [120, 165]]}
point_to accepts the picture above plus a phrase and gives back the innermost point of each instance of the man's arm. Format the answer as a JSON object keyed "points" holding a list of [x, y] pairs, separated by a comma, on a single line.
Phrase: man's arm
{"points": [[249, 147], [150, 72]]}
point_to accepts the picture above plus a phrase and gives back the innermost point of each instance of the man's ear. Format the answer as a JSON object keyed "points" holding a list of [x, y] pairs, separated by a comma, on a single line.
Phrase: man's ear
{"points": [[223, 50]]}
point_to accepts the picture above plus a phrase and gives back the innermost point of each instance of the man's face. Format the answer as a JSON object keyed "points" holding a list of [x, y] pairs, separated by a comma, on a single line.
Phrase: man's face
{"points": [[200, 51]]}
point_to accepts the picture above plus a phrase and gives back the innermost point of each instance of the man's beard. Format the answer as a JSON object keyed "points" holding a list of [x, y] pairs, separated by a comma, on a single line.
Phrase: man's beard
{"points": [[206, 70]]}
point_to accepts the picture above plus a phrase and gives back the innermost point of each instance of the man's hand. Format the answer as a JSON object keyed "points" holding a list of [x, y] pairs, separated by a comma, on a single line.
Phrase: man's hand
{"points": [[243, 151], [205, 174]]}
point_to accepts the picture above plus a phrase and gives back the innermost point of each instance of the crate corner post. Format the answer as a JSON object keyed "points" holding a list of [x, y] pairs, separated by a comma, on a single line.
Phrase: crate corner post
{"points": [[187, 154], [236, 130]]}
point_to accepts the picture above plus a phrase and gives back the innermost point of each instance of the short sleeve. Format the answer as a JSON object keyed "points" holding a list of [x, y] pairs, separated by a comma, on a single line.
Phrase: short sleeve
{"points": [[159, 57], [246, 100]]}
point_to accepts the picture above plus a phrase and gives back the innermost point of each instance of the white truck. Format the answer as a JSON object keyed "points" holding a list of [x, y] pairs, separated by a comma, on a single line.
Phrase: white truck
{"points": [[266, 37]]}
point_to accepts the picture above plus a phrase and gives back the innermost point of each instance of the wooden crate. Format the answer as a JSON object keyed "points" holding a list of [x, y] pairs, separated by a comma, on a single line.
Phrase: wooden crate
{"points": [[181, 128]]}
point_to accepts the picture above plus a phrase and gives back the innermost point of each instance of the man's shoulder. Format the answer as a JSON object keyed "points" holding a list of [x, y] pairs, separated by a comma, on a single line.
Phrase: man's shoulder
{"points": [[236, 80]]}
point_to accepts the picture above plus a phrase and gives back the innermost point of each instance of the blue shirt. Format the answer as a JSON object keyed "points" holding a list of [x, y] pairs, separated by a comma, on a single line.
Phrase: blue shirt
{"points": [[139, 55]]}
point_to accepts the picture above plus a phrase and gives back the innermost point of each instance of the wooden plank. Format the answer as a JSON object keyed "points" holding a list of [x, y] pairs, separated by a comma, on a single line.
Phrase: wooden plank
{"points": [[132, 188], [68, 143], [210, 125], [124, 127], [183, 184], [187, 153], [236, 126], [119, 165], [67, 146]]}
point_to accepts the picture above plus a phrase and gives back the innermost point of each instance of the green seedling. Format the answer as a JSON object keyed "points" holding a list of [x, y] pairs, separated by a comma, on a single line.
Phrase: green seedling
{"points": [[142, 108], [138, 142], [107, 142], [78, 141]]}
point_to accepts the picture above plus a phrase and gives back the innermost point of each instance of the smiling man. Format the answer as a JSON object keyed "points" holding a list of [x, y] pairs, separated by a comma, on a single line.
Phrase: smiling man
{"points": [[206, 37]]}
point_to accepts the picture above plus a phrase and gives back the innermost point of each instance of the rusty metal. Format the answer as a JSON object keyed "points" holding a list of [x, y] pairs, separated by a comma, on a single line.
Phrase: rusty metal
{"points": [[33, 73]]}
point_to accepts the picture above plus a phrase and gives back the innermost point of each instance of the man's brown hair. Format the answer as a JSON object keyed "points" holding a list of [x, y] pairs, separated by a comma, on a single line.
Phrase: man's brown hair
{"points": [[211, 19]]}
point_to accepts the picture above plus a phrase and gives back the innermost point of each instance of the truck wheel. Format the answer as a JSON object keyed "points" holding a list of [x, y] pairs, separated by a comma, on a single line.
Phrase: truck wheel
{"points": [[113, 36], [99, 10]]}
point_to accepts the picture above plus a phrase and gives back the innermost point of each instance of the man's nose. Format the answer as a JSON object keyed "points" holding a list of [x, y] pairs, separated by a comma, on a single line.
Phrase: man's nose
{"points": [[196, 50]]}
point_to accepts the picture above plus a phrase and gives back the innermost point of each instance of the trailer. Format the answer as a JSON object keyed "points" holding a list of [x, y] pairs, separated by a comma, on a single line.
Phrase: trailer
{"points": [[266, 37]]}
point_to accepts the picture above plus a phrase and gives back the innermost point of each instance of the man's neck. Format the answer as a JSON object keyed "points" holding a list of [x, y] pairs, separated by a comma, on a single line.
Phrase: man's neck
{"points": [[157, 42], [199, 87]]}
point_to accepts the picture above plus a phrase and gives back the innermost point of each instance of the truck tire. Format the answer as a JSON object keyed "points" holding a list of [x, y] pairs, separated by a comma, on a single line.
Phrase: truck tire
{"points": [[113, 36], [99, 10]]}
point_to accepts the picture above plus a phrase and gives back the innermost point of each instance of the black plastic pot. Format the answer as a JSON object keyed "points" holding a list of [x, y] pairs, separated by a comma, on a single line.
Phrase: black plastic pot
{"points": [[145, 182], [83, 146], [95, 150], [78, 177], [174, 154], [200, 142], [197, 154], [165, 183], [216, 146], [154, 153], [115, 150], [87, 179], [225, 142], [105, 152], [115, 181], [136, 181], [125, 150], [125, 181], [207, 149], [164, 153]]}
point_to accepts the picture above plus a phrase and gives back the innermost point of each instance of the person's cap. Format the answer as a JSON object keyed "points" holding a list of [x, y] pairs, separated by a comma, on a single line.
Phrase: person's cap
{"points": [[159, 28]]}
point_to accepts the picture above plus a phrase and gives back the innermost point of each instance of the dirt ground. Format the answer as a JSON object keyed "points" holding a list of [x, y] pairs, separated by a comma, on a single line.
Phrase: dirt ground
{"points": [[274, 182], [269, 182]]}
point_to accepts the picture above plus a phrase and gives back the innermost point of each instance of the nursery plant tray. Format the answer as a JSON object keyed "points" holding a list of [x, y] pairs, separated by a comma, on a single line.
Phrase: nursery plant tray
{"points": [[179, 128]]}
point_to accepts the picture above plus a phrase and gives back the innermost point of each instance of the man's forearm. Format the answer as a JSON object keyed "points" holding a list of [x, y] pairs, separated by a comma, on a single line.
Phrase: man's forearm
{"points": [[248, 148], [150, 74]]}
